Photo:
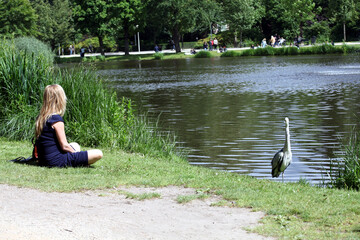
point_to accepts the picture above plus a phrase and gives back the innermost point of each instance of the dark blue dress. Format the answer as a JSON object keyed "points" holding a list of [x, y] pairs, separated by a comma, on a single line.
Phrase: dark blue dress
{"points": [[49, 151]]}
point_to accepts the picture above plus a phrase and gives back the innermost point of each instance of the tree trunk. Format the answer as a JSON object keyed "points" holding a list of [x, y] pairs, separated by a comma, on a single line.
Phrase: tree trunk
{"points": [[126, 38], [241, 43], [101, 43], [344, 31], [176, 38]]}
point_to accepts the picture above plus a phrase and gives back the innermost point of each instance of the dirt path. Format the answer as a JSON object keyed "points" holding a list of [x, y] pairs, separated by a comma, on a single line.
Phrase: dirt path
{"points": [[30, 214]]}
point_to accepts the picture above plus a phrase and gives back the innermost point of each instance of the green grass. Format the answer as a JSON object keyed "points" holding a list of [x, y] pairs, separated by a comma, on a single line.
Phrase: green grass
{"points": [[294, 210], [140, 197], [189, 198]]}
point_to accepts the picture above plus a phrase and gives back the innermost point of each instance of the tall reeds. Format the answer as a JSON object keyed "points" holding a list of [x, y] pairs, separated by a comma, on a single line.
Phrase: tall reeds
{"points": [[94, 116], [346, 174]]}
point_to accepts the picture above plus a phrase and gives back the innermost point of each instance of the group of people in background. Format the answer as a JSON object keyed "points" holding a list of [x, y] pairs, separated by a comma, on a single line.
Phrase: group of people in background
{"points": [[213, 45], [275, 41]]}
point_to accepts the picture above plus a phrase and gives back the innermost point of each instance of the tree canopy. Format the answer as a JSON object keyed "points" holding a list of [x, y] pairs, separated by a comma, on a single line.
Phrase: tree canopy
{"points": [[17, 18], [159, 21]]}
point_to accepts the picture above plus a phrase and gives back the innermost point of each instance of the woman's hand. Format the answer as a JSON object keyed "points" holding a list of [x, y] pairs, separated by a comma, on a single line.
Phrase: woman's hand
{"points": [[60, 134]]}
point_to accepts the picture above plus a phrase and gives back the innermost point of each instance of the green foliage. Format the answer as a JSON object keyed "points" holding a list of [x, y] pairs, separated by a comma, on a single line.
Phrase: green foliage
{"points": [[241, 15], [54, 22], [321, 30], [346, 174], [231, 54], [34, 46], [158, 56], [24, 73], [17, 18], [203, 54]]}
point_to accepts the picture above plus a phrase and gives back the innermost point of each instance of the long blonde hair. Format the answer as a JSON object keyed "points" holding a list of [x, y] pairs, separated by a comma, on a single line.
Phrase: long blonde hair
{"points": [[54, 102]]}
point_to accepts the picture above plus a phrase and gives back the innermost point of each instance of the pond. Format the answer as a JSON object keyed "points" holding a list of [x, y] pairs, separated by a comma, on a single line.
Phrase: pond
{"points": [[229, 112]]}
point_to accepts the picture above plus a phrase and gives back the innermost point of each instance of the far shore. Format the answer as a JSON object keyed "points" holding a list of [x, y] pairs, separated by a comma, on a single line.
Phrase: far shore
{"points": [[185, 51]]}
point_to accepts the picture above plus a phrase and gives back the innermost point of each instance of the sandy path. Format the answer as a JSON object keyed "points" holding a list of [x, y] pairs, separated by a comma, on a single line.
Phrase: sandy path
{"points": [[31, 214]]}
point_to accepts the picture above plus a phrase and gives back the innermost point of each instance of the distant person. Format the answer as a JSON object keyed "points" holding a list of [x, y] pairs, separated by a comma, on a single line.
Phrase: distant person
{"points": [[272, 41], [193, 51], [53, 149], [156, 48], [205, 45], [71, 50], [215, 43], [82, 52], [263, 43], [281, 41], [172, 44]]}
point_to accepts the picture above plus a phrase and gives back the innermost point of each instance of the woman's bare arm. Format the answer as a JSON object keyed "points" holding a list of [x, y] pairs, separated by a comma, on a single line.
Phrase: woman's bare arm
{"points": [[60, 134]]}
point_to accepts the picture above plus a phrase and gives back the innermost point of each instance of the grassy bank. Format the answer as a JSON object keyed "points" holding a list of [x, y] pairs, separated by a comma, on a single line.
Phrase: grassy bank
{"points": [[294, 210], [268, 51]]}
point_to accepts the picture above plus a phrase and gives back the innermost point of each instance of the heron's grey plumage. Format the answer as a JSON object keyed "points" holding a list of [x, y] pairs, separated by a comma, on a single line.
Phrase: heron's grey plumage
{"points": [[282, 158]]}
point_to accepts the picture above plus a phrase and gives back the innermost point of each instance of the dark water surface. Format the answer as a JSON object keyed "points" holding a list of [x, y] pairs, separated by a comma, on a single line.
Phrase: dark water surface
{"points": [[229, 111]]}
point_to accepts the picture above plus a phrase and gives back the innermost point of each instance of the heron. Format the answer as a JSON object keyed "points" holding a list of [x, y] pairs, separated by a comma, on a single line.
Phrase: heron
{"points": [[282, 158]]}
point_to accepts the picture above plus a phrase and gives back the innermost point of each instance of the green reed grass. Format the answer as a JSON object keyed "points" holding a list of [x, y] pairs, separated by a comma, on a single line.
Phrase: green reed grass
{"points": [[346, 173]]}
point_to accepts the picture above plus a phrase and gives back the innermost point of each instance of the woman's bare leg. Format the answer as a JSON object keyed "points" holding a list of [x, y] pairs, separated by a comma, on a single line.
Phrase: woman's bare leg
{"points": [[94, 155]]}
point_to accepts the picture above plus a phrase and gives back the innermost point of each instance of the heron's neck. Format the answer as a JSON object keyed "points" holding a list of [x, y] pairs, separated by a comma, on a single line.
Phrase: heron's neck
{"points": [[287, 146]]}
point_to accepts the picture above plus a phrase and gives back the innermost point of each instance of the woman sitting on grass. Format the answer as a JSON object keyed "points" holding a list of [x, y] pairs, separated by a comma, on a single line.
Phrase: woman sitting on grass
{"points": [[52, 147]]}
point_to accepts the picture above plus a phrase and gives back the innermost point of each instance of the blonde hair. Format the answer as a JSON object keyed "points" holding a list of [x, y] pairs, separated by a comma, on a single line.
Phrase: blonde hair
{"points": [[54, 102]]}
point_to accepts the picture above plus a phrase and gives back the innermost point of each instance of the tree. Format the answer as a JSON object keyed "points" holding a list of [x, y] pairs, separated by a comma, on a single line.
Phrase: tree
{"points": [[93, 17], [344, 11], [178, 17], [17, 18], [241, 15], [126, 18], [289, 17], [54, 24], [209, 13]]}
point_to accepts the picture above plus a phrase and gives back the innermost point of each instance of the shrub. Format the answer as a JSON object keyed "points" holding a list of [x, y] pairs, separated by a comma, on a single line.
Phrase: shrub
{"points": [[248, 52], [203, 54], [231, 54], [101, 58], [158, 56], [34, 46]]}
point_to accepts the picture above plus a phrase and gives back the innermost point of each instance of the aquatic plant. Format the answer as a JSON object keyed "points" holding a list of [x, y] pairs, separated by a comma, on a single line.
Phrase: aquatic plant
{"points": [[346, 173]]}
